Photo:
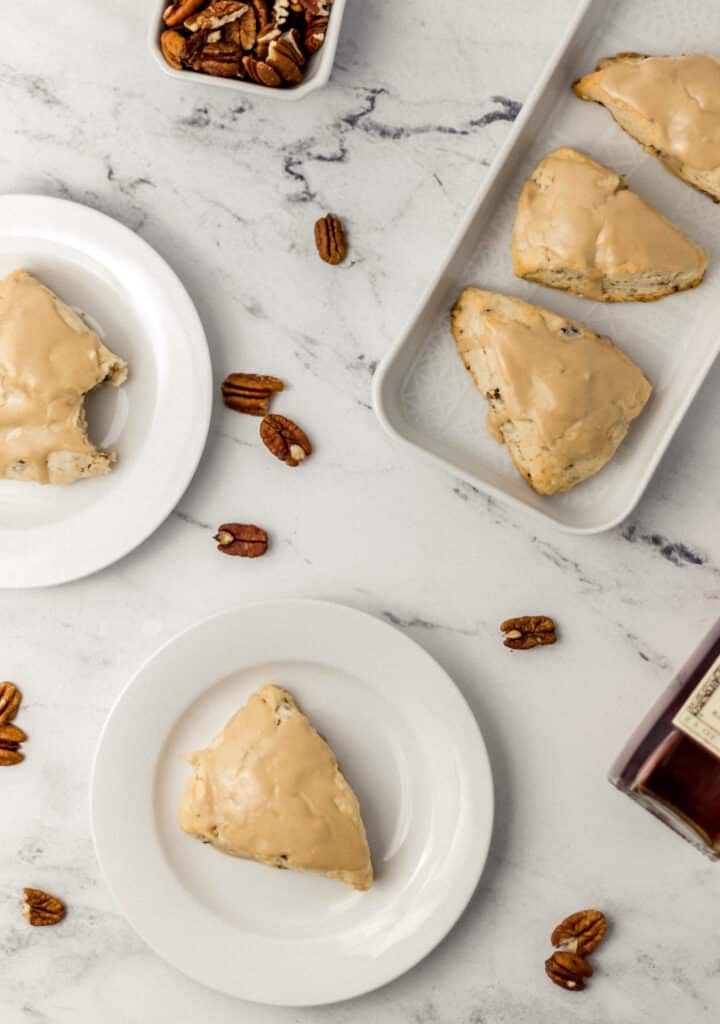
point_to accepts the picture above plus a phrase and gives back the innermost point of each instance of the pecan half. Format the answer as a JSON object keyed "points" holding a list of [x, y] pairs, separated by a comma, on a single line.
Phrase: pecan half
{"points": [[8, 757], [261, 72], [568, 970], [581, 932], [39, 908], [11, 736], [330, 239], [314, 35], [174, 48], [281, 57], [176, 14], [239, 539], [10, 698], [528, 631], [214, 58], [262, 13], [285, 439], [215, 15], [250, 392]]}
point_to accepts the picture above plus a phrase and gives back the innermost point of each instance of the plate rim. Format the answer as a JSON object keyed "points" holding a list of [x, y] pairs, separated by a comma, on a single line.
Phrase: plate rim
{"points": [[467, 880], [202, 365]]}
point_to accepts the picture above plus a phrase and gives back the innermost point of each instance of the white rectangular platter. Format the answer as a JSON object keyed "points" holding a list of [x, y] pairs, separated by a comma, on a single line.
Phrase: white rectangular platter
{"points": [[422, 394]]}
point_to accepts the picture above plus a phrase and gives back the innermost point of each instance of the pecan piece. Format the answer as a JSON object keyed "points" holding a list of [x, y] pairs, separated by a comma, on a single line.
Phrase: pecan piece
{"points": [[221, 59], [10, 698], [174, 47], [8, 757], [330, 239], [316, 8], [261, 72], [262, 13], [528, 631], [39, 908], [285, 439], [250, 392], [314, 35], [281, 57], [176, 14], [215, 15], [239, 539], [568, 970], [580, 933], [11, 736]]}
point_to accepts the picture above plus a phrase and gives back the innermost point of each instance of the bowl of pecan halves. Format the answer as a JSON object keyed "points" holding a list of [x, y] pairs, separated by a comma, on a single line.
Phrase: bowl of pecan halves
{"points": [[284, 48]]}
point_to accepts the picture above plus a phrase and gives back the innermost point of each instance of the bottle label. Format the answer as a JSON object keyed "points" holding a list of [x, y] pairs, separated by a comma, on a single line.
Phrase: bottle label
{"points": [[699, 717]]}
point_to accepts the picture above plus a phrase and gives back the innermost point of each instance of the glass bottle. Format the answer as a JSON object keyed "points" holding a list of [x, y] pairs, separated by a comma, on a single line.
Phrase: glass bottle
{"points": [[672, 763]]}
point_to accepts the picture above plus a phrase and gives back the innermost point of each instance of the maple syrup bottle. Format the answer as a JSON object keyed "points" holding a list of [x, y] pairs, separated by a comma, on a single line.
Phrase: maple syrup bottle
{"points": [[672, 763]]}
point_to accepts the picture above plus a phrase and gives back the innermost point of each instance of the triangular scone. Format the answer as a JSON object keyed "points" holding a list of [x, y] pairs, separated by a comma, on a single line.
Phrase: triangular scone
{"points": [[578, 227], [561, 397], [49, 360], [269, 789], [671, 105]]}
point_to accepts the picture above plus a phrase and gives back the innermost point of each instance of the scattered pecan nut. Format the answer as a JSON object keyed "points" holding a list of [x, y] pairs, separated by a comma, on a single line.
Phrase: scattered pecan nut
{"points": [[568, 970], [241, 540], [330, 239], [11, 736], [8, 757], [10, 698], [581, 932], [39, 908], [176, 14], [250, 392], [285, 439], [528, 631]]}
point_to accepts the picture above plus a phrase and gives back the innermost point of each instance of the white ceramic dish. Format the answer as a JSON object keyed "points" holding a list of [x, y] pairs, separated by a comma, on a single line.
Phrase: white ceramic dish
{"points": [[422, 394], [158, 421], [317, 71], [407, 742]]}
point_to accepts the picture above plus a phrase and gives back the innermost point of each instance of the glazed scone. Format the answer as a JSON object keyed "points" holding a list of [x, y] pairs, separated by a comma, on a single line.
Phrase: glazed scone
{"points": [[561, 397], [671, 105], [49, 360], [579, 227], [269, 789]]}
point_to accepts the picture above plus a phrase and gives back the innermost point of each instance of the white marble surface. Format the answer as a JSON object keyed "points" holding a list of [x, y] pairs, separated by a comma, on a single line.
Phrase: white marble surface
{"points": [[227, 190]]}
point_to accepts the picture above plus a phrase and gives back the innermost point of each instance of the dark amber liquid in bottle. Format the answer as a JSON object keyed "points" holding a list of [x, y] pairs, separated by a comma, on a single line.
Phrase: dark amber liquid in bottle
{"points": [[668, 772]]}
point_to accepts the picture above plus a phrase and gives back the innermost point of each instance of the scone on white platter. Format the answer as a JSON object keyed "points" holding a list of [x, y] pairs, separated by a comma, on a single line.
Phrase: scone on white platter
{"points": [[671, 105], [269, 789], [49, 360], [579, 227], [561, 397]]}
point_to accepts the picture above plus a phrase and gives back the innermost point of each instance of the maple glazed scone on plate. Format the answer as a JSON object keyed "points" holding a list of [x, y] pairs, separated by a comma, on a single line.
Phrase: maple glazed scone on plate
{"points": [[561, 397], [579, 227], [670, 105], [49, 360], [269, 789]]}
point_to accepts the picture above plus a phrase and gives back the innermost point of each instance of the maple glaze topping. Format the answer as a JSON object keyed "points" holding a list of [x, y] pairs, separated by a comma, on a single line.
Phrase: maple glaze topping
{"points": [[574, 385], [575, 212], [269, 789], [681, 95], [49, 359]]}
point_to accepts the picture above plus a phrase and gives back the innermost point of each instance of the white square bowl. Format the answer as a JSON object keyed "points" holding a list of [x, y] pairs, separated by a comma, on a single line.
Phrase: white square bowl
{"points": [[317, 70]]}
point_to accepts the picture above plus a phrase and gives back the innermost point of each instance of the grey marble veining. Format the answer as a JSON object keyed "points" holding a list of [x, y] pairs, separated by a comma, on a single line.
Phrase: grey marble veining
{"points": [[227, 189]]}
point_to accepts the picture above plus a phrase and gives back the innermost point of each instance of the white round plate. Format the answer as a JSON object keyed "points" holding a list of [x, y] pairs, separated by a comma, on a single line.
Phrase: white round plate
{"points": [[407, 742], [157, 421]]}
